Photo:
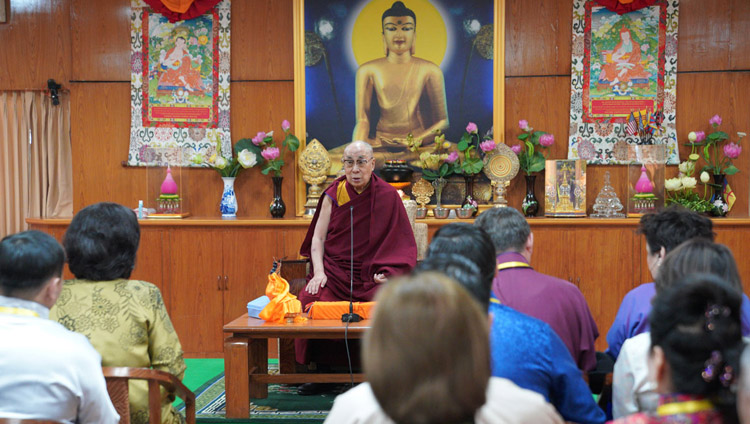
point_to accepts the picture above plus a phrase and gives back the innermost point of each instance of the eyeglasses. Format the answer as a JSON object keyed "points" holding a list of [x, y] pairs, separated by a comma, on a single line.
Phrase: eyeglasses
{"points": [[349, 163]]}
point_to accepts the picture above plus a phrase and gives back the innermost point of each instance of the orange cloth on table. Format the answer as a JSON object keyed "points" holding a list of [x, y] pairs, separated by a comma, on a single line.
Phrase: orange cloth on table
{"points": [[334, 310], [179, 6], [282, 302]]}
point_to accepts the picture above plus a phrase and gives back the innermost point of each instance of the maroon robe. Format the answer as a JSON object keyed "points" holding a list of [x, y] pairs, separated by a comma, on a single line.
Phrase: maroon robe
{"points": [[383, 243]]}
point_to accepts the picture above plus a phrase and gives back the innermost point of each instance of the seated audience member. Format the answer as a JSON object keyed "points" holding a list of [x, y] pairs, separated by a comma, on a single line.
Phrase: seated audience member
{"points": [[427, 360], [632, 389], [46, 371], [523, 349], [552, 300], [664, 231], [360, 227], [124, 319], [743, 391], [696, 343]]}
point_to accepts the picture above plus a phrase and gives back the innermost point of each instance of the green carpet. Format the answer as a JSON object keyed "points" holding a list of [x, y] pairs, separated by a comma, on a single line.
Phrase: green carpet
{"points": [[205, 377]]}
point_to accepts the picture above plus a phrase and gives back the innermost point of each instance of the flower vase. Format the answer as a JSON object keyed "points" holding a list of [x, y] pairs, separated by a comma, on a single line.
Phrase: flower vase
{"points": [[277, 207], [719, 206], [228, 205], [469, 196], [439, 211], [530, 205]]}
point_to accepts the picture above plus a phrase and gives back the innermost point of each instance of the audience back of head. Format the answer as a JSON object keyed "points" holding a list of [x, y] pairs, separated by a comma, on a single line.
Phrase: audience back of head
{"points": [[507, 228], [697, 324], [102, 241], [699, 255], [427, 353], [743, 397], [473, 259], [670, 227], [28, 260]]}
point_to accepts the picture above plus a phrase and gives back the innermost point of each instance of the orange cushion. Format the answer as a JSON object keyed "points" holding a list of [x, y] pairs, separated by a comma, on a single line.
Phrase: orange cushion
{"points": [[334, 310]]}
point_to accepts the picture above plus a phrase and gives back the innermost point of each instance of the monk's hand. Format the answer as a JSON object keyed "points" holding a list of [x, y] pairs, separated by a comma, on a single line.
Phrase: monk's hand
{"points": [[316, 283], [380, 278]]}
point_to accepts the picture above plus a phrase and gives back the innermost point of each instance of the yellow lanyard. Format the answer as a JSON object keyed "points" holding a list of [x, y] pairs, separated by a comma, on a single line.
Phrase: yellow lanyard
{"points": [[17, 311], [515, 264], [687, 407]]}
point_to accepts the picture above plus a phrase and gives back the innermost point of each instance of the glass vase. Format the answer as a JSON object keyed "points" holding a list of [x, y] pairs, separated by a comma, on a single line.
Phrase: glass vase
{"points": [[228, 205], [438, 184], [469, 195], [277, 207], [530, 205], [719, 206]]}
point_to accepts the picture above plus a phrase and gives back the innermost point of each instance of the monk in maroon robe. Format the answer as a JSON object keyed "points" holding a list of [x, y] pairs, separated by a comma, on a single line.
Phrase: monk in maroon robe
{"points": [[360, 231]]}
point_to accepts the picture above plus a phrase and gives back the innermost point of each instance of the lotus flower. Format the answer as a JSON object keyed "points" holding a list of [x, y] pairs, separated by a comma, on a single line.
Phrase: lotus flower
{"points": [[259, 138], [516, 148], [732, 150], [547, 140], [523, 124], [452, 157], [471, 128], [715, 120], [487, 146], [285, 125], [247, 158], [270, 153]]}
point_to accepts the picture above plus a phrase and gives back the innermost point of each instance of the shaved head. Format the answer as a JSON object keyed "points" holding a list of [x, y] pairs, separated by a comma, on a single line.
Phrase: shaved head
{"points": [[358, 148], [358, 164]]}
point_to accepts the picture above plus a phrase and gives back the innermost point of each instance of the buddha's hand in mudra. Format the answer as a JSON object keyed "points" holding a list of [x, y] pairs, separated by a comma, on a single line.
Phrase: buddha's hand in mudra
{"points": [[393, 141], [316, 283]]}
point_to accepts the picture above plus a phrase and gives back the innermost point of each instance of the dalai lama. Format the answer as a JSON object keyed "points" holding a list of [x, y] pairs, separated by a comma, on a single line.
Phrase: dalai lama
{"points": [[382, 244]]}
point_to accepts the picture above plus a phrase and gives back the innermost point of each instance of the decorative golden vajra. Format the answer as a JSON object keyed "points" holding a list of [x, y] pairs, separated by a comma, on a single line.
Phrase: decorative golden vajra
{"points": [[314, 164], [422, 190]]}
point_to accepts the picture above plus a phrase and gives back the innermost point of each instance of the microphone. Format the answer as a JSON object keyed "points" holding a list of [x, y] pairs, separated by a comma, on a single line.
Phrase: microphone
{"points": [[351, 316]]}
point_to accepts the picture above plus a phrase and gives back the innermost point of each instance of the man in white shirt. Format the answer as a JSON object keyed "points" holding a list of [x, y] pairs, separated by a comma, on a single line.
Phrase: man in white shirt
{"points": [[46, 371]]}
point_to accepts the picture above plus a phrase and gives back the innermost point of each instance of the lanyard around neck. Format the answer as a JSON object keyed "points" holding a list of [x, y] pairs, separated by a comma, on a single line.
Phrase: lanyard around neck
{"points": [[687, 407], [18, 311], [513, 264]]}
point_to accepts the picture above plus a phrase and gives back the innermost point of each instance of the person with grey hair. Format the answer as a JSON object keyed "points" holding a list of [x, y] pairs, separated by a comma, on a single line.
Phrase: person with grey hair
{"points": [[519, 286], [743, 392]]}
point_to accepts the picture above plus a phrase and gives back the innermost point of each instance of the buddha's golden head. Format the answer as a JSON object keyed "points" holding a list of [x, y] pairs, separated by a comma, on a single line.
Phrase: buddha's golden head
{"points": [[399, 29]]}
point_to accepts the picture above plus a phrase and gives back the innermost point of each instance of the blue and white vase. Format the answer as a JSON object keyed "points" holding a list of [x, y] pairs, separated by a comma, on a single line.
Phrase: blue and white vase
{"points": [[228, 205]]}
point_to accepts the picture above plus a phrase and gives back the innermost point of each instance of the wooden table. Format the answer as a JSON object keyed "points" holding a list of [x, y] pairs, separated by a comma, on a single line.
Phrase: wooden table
{"points": [[246, 357]]}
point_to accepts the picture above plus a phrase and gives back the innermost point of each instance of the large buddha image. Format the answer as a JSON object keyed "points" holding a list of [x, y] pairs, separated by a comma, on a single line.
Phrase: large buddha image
{"points": [[381, 70]]}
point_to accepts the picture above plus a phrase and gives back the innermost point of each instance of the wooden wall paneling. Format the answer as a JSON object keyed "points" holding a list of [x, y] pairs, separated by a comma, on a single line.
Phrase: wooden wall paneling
{"points": [[149, 264], [704, 36], [35, 45], [537, 37], [100, 34], [735, 238], [605, 272], [100, 135], [739, 53], [197, 295], [291, 239], [262, 106], [545, 103], [703, 95], [262, 40], [554, 251]]}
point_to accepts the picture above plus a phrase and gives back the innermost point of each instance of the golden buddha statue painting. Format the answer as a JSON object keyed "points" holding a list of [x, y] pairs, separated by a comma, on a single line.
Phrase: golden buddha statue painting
{"points": [[379, 70]]}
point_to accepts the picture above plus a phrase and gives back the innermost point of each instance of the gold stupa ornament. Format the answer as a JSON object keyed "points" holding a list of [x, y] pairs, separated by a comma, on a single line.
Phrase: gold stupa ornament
{"points": [[314, 164], [422, 191]]}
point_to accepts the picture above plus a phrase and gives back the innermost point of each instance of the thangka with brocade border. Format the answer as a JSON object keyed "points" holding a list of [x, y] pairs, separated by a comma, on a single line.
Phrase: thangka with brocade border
{"points": [[179, 95], [621, 64]]}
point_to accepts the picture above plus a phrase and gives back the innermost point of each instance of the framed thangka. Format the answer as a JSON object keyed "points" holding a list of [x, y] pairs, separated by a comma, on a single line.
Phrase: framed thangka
{"points": [[622, 63], [379, 70], [179, 84]]}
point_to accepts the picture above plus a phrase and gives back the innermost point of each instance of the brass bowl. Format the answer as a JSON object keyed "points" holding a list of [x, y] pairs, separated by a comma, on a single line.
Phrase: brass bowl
{"points": [[441, 213], [464, 213], [421, 213]]}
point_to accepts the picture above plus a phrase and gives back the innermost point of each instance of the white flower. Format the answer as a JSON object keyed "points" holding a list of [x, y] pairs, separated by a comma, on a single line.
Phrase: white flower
{"points": [[692, 136], [721, 205], [705, 177], [673, 184], [688, 182], [220, 162], [686, 167], [247, 158]]}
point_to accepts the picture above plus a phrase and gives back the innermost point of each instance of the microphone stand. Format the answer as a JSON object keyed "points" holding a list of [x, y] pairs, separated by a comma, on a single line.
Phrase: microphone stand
{"points": [[351, 316]]}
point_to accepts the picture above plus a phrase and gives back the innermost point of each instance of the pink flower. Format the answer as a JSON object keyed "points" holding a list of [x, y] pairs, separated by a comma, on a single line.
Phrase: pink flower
{"points": [[700, 136], [487, 146], [259, 138], [471, 128], [516, 149], [524, 124], [715, 121], [285, 125], [270, 153], [452, 157], [732, 150], [547, 140]]}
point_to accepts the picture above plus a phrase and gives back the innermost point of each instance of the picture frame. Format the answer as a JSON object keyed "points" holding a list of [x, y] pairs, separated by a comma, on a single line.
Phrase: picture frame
{"points": [[4, 11], [497, 72]]}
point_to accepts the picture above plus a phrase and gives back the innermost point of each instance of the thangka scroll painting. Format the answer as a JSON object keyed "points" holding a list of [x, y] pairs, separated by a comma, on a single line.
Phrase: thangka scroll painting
{"points": [[179, 94], [623, 65]]}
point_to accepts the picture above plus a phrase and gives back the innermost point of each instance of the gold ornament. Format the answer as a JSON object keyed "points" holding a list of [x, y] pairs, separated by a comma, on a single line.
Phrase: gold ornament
{"points": [[422, 190], [314, 164], [500, 166]]}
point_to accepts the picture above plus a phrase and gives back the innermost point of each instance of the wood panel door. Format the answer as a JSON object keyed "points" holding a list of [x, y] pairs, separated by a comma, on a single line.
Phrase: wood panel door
{"points": [[197, 281], [605, 271]]}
